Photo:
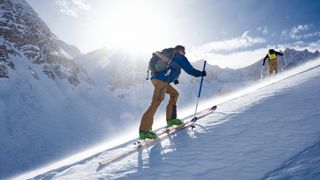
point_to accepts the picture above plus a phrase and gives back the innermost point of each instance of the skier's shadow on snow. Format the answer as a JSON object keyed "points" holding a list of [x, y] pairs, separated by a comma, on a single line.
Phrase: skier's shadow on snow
{"points": [[161, 151], [149, 157]]}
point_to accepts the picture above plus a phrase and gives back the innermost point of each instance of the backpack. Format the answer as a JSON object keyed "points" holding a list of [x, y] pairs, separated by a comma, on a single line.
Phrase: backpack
{"points": [[161, 59]]}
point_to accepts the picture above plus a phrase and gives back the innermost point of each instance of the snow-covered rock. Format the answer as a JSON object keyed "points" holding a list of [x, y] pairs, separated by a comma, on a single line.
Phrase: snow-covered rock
{"points": [[24, 34]]}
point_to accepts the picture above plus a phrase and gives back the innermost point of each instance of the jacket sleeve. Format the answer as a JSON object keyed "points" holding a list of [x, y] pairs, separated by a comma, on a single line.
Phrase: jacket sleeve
{"points": [[264, 59], [187, 67], [279, 53]]}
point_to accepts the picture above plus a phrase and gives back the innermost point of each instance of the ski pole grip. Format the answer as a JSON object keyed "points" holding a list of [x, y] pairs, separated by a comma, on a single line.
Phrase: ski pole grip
{"points": [[204, 68]]}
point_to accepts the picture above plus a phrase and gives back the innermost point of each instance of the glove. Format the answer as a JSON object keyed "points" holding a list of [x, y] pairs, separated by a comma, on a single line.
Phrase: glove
{"points": [[176, 81], [203, 73]]}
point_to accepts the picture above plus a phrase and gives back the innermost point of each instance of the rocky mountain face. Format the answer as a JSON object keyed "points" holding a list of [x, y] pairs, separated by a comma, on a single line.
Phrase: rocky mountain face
{"points": [[43, 94], [293, 58], [24, 34]]}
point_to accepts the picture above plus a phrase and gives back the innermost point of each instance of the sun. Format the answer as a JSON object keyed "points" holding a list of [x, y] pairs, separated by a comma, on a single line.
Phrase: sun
{"points": [[136, 25]]}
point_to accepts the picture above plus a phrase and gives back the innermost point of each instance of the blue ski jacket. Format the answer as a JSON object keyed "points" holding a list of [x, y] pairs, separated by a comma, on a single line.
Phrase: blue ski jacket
{"points": [[174, 70]]}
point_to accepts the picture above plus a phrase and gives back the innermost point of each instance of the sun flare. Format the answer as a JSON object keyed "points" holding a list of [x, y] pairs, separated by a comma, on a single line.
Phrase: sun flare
{"points": [[138, 26]]}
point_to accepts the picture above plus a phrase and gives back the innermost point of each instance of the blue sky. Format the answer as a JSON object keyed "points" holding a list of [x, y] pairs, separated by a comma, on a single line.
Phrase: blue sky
{"points": [[219, 29]]}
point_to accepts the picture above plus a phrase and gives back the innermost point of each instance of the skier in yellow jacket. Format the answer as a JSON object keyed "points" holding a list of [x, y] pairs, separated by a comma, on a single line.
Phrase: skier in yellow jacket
{"points": [[272, 57]]}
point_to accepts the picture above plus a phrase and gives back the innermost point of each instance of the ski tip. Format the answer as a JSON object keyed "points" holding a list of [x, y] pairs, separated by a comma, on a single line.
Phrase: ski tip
{"points": [[214, 107]]}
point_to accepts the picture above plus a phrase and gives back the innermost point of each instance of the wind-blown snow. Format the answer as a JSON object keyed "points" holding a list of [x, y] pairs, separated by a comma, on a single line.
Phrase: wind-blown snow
{"points": [[270, 131]]}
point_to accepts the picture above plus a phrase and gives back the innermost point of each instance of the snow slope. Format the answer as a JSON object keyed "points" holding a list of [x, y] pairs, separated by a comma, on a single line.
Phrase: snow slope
{"points": [[268, 131]]}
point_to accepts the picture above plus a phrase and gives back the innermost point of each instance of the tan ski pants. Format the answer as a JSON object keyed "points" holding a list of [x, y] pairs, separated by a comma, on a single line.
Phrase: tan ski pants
{"points": [[160, 89], [273, 66]]}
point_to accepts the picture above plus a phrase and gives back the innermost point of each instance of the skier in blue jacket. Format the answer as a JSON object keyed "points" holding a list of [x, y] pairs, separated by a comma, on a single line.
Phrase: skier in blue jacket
{"points": [[161, 82]]}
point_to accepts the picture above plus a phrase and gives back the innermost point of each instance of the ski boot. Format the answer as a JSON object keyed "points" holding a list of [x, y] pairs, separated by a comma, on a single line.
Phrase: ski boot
{"points": [[148, 135], [173, 122]]}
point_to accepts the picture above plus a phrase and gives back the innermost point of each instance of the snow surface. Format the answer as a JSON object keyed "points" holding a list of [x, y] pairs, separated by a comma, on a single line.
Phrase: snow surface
{"points": [[268, 131]]}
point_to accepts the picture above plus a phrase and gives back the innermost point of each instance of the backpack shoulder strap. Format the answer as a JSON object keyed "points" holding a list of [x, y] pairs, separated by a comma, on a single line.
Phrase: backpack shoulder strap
{"points": [[161, 56]]}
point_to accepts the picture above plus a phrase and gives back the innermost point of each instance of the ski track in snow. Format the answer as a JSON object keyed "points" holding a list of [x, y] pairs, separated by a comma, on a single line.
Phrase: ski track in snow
{"points": [[272, 133]]}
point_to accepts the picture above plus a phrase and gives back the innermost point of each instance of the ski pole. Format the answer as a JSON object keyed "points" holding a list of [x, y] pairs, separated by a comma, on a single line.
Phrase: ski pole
{"points": [[199, 93], [261, 72], [283, 63]]}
